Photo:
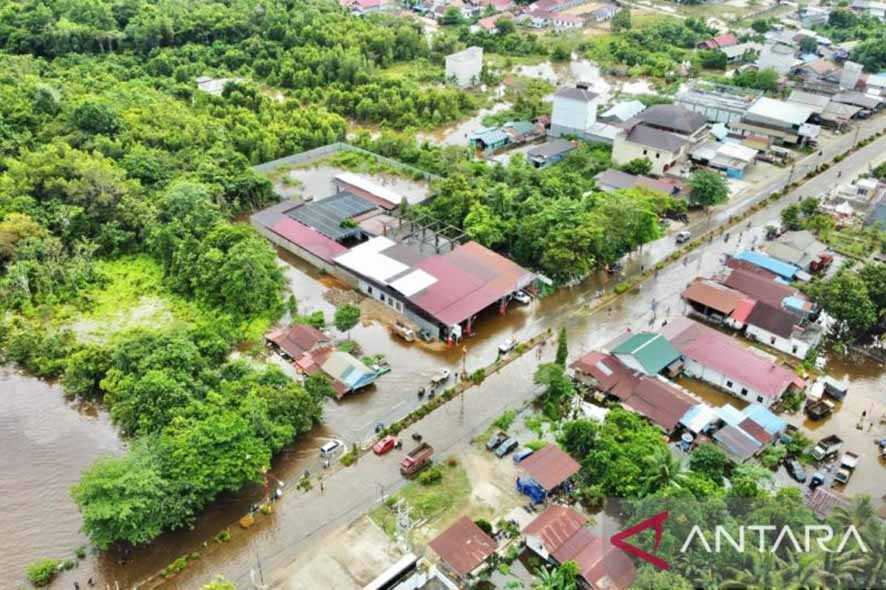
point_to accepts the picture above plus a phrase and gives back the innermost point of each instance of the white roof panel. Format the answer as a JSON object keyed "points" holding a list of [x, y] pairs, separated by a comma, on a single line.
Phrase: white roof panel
{"points": [[793, 113], [370, 187], [737, 152], [367, 260], [414, 282]]}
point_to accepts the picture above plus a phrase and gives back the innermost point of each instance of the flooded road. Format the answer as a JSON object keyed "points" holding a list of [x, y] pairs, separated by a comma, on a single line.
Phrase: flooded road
{"points": [[50, 443]]}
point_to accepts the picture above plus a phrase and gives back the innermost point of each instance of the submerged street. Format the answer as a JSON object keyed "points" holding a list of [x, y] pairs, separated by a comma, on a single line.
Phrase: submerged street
{"points": [[302, 519]]}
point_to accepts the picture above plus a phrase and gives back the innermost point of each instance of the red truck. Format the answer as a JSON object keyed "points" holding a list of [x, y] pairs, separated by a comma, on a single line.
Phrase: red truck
{"points": [[416, 459]]}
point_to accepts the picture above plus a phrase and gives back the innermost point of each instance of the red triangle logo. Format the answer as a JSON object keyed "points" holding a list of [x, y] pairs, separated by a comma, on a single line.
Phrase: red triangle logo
{"points": [[656, 522]]}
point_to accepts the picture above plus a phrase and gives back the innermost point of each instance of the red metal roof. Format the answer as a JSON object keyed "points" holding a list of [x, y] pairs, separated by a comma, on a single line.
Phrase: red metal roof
{"points": [[470, 278], [555, 526], [297, 340], [550, 466], [463, 546], [743, 310], [308, 238], [759, 287], [713, 295], [659, 401], [728, 357], [598, 561]]}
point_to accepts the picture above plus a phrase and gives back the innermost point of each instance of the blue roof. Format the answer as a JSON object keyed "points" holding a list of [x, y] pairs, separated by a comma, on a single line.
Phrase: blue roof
{"points": [[762, 416], [730, 415], [794, 303], [782, 269], [491, 137]]}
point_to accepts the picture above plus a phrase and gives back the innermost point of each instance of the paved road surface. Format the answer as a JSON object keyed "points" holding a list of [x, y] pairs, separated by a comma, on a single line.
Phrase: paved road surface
{"points": [[303, 519]]}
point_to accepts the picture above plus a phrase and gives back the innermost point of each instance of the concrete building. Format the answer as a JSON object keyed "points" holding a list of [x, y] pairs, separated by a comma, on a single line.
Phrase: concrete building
{"points": [[782, 330], [550, 152], [716, 102], [850, 76], [664, 150], [777, 56], [732, 158], [465, 66], [574, 111], [784, 122], [722, 361], [612, 180]]}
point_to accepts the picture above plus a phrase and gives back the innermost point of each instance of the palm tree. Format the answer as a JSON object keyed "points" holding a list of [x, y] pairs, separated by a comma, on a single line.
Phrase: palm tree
{"points": [[765, 572], [664, 469], [859, 513], [840, 570], [558, 578], [873, 563]]}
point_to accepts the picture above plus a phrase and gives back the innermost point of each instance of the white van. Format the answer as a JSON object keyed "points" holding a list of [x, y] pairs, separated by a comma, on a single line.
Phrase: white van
{"points": [[329, 448], [683, 236]]}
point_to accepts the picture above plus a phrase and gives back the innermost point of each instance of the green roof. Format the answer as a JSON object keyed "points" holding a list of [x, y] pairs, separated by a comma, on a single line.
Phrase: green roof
{"points": [[652, 351]]}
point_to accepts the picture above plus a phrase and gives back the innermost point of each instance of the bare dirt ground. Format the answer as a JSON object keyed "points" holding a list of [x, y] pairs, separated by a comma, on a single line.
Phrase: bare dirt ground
{"points": [[347, 559]]}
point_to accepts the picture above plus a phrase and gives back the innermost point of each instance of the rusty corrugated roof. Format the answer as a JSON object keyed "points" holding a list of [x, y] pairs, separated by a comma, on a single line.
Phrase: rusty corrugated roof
{"points": [[463, 546]]}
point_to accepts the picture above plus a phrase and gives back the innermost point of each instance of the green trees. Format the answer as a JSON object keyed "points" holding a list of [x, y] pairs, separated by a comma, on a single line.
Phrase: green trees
{"points": [[346, 317], [707, 188], [710, 461], [621, 21], [562, 348], [639, 166], [204, 432], [846, 298], [219, 583], [42, 571], [558, 388]]}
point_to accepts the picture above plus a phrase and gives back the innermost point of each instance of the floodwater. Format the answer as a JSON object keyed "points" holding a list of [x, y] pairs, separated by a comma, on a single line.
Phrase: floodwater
{"points": [[458, 134], [45, 443], [316, 182]]}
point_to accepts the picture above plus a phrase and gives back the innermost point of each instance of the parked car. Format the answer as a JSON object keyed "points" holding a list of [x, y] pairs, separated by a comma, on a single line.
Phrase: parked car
{"points": [[684, 236], [442, 376], [507, 346], [817, 480], [330, 448], [506, 447], [384, 445], [495, 440], [522, 454], [795, 470], [522, 297]]}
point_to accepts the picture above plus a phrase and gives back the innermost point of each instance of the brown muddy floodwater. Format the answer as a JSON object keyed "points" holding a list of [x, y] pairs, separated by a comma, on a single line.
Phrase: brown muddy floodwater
{"points": [[45, 443]]}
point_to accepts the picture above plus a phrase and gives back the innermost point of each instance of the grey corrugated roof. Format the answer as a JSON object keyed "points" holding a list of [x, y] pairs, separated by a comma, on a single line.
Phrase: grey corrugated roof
{"points": [[656, 138], [675, 117], [551, 148], [326, 215], [576, 94]]}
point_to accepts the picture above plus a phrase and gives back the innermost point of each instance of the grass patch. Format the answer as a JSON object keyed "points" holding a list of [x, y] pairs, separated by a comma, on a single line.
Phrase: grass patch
{"points": [[131, 295], [435, 501]]}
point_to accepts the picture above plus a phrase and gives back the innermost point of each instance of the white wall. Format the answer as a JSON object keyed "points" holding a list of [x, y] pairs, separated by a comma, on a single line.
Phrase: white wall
{"points": [[576, 115], [536, 545], [697, 371], [624, 151], [465, 66], [631, 362], [777, 342]]}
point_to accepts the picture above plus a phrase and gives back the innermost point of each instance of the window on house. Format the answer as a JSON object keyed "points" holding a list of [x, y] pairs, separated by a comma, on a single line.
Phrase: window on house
{"points": [[645, 152], [760, 398], [794, 349], [382, 297], [657, 155], [772, 340], [744, 390], [729, 384], [369, 289]]}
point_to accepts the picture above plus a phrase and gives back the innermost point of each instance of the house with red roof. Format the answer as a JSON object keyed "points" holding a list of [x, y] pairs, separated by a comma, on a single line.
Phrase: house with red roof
{"points": [[463, 548], [559, 535], [722, 361], [657, 399], [719, 42]]}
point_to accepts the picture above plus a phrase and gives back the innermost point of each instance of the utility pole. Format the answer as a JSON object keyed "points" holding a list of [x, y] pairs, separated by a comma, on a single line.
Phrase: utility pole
{"points": [[461, 409], [857, 132]]}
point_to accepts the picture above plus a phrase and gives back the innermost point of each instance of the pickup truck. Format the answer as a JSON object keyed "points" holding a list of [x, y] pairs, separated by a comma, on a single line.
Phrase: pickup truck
{"points": [[827, 447], [416, 459], [819, 409], [848, 463]]}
